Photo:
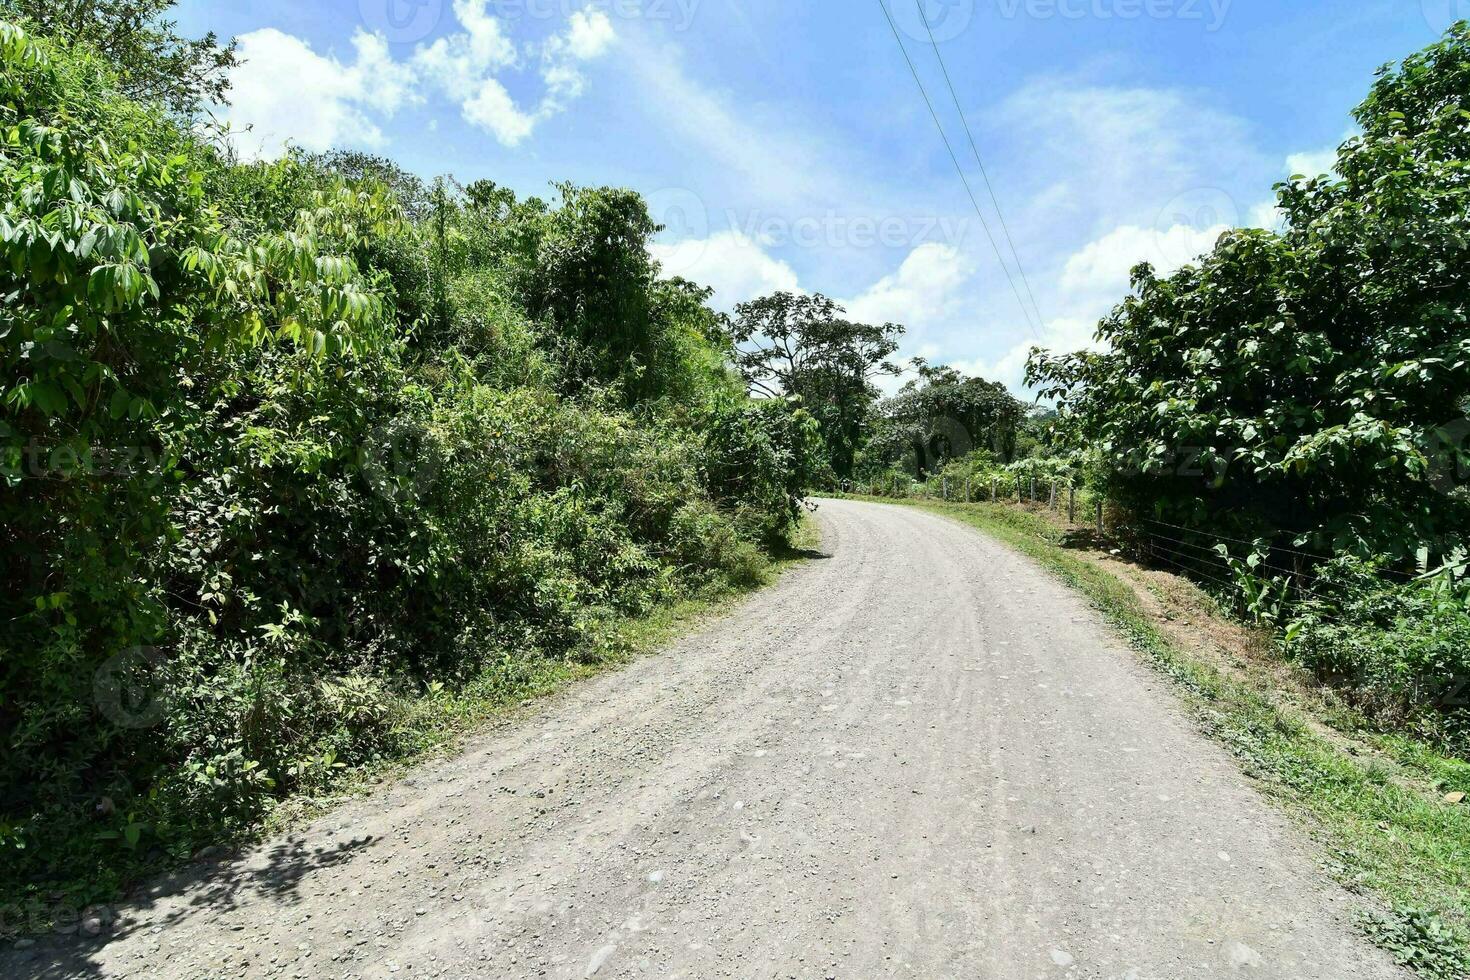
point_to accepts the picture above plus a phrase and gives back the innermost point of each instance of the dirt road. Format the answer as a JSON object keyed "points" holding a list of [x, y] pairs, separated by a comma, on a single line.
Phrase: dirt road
{"points": [[919, 757]]}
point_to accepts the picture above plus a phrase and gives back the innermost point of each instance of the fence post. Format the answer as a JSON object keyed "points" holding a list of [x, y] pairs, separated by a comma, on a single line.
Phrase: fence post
{"points": [[1099, 520], [1071, 503], [944, 487], [1053, 502], [1033, 489], [1019, 498], [967, 489]]}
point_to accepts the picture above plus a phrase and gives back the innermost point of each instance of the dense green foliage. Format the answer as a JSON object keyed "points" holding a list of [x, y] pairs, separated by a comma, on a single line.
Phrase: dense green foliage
{"points": [[1314, 380], [804, 348], [151, 61], [286, 445], [1296, 401], [790, 346], [942, 415]]}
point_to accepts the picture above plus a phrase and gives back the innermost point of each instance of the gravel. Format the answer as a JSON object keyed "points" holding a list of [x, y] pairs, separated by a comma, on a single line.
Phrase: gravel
{"points": [[921, 756]]}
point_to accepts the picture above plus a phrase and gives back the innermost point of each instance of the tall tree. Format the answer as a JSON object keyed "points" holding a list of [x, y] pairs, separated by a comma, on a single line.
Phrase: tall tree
{"points": [[1316, 380], [788, 344], [943, 414], [153, 61]]}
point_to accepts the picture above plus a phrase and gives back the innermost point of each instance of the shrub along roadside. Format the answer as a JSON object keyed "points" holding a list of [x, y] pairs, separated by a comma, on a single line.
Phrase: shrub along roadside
{"points": [[390, 728], [289, 448], [1409, 850]]}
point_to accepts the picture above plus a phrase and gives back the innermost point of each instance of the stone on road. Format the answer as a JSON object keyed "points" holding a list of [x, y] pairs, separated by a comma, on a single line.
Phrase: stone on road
{"points": [[921, 756]]}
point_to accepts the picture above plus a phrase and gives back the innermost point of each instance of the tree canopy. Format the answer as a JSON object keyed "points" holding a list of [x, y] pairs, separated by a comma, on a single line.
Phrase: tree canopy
{"points": [[791, 345], [1316, 380]]}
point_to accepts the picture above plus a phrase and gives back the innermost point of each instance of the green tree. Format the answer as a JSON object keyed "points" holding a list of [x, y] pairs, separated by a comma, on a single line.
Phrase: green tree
{"points": [[804, 346], [1314, 381], [942, 415], [153, 62]]}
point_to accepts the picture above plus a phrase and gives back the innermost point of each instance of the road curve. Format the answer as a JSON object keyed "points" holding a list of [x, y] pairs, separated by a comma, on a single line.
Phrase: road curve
{"points": [[918, 757]]}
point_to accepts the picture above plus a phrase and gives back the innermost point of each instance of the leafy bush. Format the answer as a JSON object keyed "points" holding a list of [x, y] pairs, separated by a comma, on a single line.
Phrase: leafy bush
{"points": [[1316, 380], [288, 445], [1401, 650]]}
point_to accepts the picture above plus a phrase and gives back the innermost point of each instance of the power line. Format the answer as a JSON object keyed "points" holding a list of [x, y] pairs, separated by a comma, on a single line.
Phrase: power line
{"points": [[1025, 312], [974, 148]]}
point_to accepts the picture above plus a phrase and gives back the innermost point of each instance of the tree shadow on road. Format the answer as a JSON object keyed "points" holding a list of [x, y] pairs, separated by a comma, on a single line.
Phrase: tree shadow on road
{"points": [[204, 890]]}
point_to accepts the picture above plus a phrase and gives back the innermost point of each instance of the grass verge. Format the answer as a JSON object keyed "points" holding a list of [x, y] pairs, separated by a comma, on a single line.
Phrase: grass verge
{"points": [[1383, 837], [425, 725]]}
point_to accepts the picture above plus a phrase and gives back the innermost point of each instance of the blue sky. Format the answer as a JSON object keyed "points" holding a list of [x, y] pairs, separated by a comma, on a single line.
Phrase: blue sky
{"points": [[786, 145]]}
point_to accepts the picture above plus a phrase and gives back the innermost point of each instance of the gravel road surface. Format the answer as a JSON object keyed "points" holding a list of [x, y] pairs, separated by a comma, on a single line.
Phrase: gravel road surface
{"points": [[919, 756]]}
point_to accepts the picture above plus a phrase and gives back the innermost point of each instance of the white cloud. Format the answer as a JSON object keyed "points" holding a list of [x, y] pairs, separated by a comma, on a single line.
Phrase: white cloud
{"points": [[925, 287], [733, 264], [590, 35], [493, 110], [1144, 152], [1312, 164], [1266, 215], [459, 62], [760, 152], [1061, 335], [1104, 265], [285, 92], [323, 104]]}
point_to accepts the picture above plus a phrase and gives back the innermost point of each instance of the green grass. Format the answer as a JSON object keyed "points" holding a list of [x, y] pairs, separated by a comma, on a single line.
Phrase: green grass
{"points": [[1406, 848]]}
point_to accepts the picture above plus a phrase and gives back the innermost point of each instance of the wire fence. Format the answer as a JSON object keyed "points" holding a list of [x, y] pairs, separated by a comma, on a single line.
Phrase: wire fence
{"points": [[1236, 565]]}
